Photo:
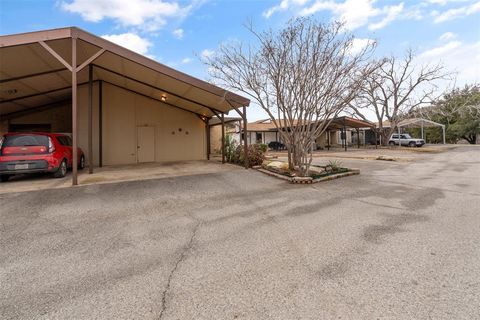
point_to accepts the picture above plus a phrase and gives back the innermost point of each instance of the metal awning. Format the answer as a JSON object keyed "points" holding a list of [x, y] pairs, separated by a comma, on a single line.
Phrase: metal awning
{"points": [[421, 123], [31, 75], [347, 122]]}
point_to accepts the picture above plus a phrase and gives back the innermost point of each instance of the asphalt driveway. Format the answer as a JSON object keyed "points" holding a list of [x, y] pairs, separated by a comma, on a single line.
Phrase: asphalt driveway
{"points": [[399, 241]]}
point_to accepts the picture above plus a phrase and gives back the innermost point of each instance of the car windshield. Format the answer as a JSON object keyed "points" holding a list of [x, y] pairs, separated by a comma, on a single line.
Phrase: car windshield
{"points": [[25, 140], [407, 136]]}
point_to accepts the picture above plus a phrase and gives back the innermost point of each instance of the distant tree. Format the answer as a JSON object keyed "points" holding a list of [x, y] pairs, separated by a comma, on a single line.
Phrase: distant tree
{"points": [[301, 76], [395, 89], [459, 111]]}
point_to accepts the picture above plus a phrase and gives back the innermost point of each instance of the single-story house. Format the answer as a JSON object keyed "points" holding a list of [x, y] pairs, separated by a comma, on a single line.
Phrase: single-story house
{"points": [[342, 131], [119, 106]]}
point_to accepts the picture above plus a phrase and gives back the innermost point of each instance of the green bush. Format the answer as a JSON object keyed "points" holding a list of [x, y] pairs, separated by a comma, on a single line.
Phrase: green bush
{"points": [[333, 166], [230, 147], [263, 147], [256, 155]]}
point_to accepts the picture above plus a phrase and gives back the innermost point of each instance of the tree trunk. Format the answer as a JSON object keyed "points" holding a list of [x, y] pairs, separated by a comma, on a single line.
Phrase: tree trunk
{"points": [[472, 138], [290, 160]]}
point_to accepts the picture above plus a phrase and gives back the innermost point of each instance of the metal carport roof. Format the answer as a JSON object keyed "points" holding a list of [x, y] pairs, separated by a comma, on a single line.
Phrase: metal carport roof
{"points": [[31, 76]]}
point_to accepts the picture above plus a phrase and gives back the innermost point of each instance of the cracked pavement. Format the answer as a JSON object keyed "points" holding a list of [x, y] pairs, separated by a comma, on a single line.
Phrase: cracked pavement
{"points": [[399, 241]]}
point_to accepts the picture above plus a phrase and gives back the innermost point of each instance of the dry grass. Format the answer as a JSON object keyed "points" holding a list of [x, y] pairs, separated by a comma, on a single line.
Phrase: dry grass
{"points": [[93, 179]]}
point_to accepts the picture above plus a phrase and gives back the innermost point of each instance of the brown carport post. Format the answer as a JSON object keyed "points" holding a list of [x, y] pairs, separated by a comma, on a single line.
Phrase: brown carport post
{"points": [[74, 68], [207, 132], [90, 119], [358, 138], [244, 120], [244, 116], [74, 112], [223, 137]]}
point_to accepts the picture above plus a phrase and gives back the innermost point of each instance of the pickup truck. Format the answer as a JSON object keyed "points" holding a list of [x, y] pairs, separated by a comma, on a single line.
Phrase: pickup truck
{"points": [[405, 140]]}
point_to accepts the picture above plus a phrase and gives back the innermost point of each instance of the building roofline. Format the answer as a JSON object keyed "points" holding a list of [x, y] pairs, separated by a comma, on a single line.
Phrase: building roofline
{"points": [[75, 32]]}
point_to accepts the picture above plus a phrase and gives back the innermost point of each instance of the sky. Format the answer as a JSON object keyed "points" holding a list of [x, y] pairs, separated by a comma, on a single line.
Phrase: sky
{"points": [[178, 33]]}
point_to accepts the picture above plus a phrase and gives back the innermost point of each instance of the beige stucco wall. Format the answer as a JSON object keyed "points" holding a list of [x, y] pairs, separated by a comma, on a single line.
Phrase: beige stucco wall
{"points": [[3, 127], [216, 136], [322, 140], [179, 135], [123, 112], [269, 137], [82, 122], [59, 118], [215, 139]]}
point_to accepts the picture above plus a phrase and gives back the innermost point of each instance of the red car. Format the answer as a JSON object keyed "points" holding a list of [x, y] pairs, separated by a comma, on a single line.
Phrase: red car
{"points": [[37, 152]]}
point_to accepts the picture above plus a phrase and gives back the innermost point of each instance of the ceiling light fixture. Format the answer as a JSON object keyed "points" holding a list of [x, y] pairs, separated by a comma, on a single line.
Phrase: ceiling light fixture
{"points": [[163, 98]]}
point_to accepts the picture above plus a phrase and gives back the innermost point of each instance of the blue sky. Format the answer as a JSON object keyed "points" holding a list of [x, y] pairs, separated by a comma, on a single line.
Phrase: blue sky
{"points": [[177, 33]]}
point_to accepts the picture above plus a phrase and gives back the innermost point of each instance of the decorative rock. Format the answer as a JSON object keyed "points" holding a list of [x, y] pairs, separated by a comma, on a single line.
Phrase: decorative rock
{"points": [[386, 158]]}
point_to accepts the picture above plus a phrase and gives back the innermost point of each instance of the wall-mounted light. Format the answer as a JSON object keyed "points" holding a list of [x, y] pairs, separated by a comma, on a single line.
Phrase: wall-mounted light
{"points": [[11, 91], [163, 98]]}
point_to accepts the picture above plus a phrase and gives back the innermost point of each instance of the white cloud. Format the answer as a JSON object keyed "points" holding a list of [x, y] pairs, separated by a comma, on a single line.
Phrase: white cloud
{"points": [[456, 13], [178, 33], [392, 13], [439, 51], [359, 44], [355, 13], [447, 36], [457, 57], [130, 41], [186, 60], [148, 14], [358, 13], [207, 53], [444, 2], [283, 6]]}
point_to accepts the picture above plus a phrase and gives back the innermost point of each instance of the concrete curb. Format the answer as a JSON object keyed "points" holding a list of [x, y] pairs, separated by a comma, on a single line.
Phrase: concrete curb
{"points": [[276, 175], [352, 172], [308, 180]]}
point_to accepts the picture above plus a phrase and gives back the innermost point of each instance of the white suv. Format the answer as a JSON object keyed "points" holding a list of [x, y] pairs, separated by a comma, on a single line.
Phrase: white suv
{"points": [[405, 140]]}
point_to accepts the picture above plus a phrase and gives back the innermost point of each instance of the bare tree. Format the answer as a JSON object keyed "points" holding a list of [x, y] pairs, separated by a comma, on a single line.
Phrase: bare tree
{"points": [[302, 76], [395, 89]]}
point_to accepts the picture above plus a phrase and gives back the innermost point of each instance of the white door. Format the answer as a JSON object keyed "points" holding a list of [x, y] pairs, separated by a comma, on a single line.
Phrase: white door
{"points": [[145, 144]]}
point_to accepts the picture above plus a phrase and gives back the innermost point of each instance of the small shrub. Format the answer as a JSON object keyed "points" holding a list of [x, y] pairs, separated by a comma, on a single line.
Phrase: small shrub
{"points": [[263, 147], [230, 147], [333, 166], [256, 155]]}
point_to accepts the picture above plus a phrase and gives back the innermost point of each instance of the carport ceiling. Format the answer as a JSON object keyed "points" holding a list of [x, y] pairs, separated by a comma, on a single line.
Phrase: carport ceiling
{"points": [[347, 122], [30, 76]]}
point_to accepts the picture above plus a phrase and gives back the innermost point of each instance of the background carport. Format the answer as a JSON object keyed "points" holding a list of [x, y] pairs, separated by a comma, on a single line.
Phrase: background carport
{"points": [[421, 123], [342, 123], [40, 70]]}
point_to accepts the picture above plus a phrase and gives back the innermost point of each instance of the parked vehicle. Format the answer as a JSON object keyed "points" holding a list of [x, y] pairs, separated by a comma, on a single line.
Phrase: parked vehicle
{"points": [[405, 140], [37, 152], [275, 145]]}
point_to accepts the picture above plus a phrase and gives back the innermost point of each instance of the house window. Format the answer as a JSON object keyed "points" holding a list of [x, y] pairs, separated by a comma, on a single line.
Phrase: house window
{"points": [[258, 137]]}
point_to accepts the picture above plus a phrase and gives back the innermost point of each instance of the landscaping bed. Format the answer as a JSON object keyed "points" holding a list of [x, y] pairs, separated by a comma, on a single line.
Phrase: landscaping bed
{"points": [[279, 169]]}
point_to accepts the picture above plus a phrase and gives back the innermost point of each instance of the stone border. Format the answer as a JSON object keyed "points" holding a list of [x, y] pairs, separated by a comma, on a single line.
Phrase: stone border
{"points": [[307, 180], [352, 172]]}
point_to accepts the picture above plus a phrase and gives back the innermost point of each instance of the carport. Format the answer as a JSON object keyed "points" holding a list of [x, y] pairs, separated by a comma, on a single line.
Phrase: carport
{"points": [[343, 123], [422, 124], [111, 91]]}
